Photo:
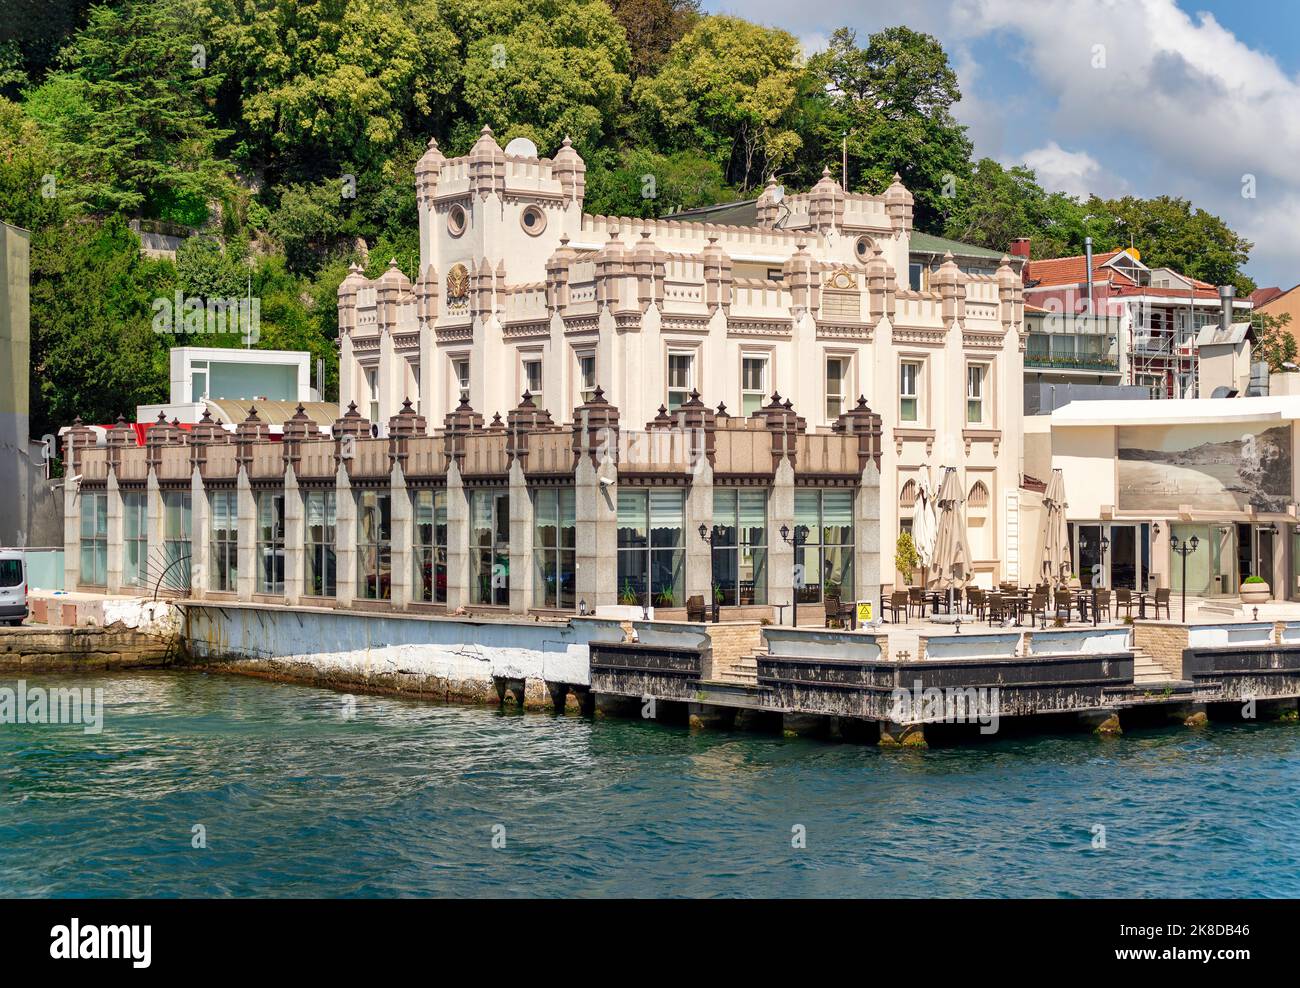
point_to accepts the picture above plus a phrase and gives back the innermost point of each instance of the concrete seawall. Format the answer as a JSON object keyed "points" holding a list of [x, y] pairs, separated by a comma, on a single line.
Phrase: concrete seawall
{"points": [[29, 650], [453, 659]]}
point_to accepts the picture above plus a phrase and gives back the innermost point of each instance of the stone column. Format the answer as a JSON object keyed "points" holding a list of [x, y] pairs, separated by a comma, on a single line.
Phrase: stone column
{"points": [[403, 539], [246, 526], [155, 519], [866, 538], [780, 554], [522, 531], [458, 588], [200, 532], [699, 554], [71, 536], [115, 527], [596, 519], [295, 538], [345, 538]]}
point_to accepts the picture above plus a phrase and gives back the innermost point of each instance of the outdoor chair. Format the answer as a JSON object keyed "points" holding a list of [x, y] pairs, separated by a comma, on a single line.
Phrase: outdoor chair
{"points": [[695, 608], [897, 603], [996, 606], [1103, 604], [1162, 600], [1064, 605], [916, 599], [976, 602], [837, 611], [1038, 603], [1124, 602]]}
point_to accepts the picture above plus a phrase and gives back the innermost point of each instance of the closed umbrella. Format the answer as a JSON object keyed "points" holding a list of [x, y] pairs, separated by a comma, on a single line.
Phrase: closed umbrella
{"points": [[951, 549], [924, 521], [1056, 537]]}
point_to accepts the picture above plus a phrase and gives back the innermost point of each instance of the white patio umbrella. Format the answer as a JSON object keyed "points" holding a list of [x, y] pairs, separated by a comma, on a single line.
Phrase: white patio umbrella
{"points": [[924, 521], [1056, 537], [951, 549]]}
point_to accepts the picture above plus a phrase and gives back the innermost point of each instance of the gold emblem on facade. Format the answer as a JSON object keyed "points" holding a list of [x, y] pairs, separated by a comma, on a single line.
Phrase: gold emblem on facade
{"points": [[457, 286]]}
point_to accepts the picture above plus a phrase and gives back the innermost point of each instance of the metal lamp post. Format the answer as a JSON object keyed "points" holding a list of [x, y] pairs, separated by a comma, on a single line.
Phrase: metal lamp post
{"points": [[1184, 548], [707, 536], [800, 537]]}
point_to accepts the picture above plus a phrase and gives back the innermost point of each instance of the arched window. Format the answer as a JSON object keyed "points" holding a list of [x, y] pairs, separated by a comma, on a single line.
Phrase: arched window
{"points": [[978, 496], [907, 497]]}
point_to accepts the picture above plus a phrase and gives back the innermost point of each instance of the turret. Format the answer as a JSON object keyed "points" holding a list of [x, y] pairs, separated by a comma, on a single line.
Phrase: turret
{"points": [[898, 204], [570, 171]]}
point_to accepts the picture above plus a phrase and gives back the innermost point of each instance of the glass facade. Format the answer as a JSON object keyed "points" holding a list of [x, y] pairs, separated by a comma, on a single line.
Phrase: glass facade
{"points": [[740, 546], [554, 542], [490, 547], [824, 561], [94, 539], [270, 542], [320, 512], [178, 527], [223, 545], [651, 547], [135, 540], [374, 545], [430, 513]]}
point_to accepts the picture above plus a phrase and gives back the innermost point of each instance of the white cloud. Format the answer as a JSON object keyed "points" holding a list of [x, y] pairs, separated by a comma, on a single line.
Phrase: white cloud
{"points": [[1074, 172]]}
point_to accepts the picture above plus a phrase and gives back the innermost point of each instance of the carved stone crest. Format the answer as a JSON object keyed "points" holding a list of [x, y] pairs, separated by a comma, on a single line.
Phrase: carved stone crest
{"points": [[457, 287]]}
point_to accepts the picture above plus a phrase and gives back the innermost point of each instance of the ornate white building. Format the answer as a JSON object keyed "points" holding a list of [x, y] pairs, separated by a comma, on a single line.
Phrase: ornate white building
{"points": [[520, 290]]}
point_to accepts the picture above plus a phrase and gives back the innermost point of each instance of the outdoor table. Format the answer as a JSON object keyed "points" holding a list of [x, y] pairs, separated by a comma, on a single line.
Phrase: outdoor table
{"points": [[1141, 600], [780, 611]]}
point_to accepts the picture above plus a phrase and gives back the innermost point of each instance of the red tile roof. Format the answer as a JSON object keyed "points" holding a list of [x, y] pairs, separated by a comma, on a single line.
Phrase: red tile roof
{"points": [[1067, 270], [1262, 296]]}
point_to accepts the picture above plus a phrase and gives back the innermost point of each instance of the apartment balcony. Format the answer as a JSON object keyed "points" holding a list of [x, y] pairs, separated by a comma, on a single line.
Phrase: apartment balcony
{"points": [[1072, 362]]}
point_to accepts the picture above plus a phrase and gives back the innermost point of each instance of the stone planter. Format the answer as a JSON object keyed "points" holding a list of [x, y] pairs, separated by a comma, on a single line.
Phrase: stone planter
{"points": [[1255, 593]]}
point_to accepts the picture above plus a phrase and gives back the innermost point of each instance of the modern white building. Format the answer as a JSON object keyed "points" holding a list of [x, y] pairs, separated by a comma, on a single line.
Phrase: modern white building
{"points": [[225, 381], [520, 290]]}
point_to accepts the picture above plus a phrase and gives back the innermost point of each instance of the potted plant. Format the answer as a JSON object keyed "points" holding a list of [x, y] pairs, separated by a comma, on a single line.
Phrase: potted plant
{"points": [[665, 598], [628, 596], [1255, 590], [906, 558]]}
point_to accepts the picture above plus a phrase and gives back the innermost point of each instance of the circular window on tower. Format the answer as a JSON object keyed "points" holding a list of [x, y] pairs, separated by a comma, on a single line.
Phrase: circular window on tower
{"points": [[533, 220], [456, 220], [862, 247]]}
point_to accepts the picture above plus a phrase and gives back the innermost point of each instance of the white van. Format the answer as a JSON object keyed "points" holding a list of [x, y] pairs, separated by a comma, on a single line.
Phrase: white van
{"points": [[13, 586]]}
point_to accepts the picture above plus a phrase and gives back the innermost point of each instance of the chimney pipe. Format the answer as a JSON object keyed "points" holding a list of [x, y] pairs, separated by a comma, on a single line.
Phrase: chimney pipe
{"points": [[1020, 247], [1087, 254], [1226, 292]]}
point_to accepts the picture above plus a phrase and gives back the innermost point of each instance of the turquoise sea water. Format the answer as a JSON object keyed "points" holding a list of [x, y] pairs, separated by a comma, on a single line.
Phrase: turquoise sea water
{"points": [[407, 797]]}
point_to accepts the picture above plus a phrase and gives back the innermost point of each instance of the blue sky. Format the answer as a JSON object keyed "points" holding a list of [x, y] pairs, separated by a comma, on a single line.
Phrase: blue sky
{"points": [[1142, 97]]}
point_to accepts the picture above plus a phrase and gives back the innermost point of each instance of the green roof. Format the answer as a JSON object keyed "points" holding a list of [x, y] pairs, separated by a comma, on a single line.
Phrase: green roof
{"points": [[924, 243]]}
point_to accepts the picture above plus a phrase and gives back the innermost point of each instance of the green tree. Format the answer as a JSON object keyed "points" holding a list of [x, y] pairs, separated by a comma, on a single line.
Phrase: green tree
{"points": [[1274, 344], [728, 89], [205, 269], [28, 197], [997, 204], [890, 103], [653, 27], [127, 114], [641, 182], [94, 352], [312, 85], [541, 69]]}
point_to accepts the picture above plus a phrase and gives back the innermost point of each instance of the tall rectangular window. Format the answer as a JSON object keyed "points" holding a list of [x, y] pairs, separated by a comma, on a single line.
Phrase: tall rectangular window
{"points": [[586, 377], [824, 558], [490, 547], [94, 539], [372, 392], [270, 542], [135, 539], [460, 368], [740, 546], [178, 525], [320, 512], [223, 544], [533, 381], [909, 379], [375, 545], [975, 394], [430, 508], [198, 380], [753, 383], [554, 545], [681, 379], [837, 373], [651, 547]]}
